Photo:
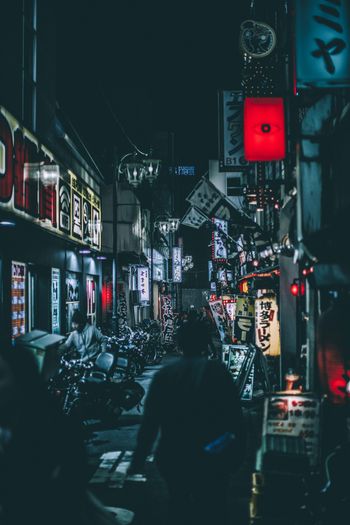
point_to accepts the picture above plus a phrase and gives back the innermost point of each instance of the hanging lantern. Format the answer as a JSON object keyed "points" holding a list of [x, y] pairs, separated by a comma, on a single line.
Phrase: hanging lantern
{"points": [[174, 224], [264, 129], [135, 172], [152, 168]]}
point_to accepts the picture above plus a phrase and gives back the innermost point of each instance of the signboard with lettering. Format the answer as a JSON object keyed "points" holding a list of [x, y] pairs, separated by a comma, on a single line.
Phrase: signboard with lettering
{"points": [[185, 171], [219, 245], [167, 319], [244, 320], [231, 150], [296, 416], [322, 43], [18, 298], [143, 283], [177, 264], [59, 203], [55, 301], [267, 332], [218, 312]]}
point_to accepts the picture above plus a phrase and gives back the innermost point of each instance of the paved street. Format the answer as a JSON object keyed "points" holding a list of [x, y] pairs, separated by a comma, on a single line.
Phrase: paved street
{"points": [[148, 498]]}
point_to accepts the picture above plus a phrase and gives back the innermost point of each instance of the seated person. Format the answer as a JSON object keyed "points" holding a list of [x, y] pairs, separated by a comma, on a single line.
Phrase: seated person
{"points": [[85, 338]]}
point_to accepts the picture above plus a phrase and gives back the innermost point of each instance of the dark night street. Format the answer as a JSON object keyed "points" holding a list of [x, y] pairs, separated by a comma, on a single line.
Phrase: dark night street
{"points": [[174, 262]]}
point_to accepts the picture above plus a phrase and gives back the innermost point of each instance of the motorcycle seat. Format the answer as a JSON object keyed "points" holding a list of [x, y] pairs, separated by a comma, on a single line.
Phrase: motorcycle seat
{"points": [[96, 377]]}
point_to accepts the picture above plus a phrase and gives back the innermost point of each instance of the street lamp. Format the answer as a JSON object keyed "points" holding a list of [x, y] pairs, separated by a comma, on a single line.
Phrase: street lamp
{"points": [[136, 167]]}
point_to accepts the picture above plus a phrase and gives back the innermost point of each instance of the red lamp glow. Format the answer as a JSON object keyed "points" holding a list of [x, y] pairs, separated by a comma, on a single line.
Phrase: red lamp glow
{"points": [[264, 129], [294, 289]]}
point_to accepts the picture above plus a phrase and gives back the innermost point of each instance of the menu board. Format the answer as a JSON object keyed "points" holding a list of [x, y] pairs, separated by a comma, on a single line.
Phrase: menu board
{"points": [[18, 299], [295, 416]]}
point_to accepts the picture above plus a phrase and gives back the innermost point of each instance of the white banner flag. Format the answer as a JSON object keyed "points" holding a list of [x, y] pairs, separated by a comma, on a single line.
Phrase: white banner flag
{"points": [[194, 218], [205, 196]]}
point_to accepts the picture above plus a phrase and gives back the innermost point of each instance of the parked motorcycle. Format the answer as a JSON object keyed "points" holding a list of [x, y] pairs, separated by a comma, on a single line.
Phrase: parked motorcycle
{"points": [[95, 390]]}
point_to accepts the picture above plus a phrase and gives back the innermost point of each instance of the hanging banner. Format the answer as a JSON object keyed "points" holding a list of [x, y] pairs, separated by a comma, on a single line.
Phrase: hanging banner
{"points": [[267, 330], [219, 245], [194, 218], [143, 283], [322, 43], [244, 320], [230, 307], [177, 264], [167, 319], [231, 151], [219, 317], [55, 301], [122, 311], [205, 196]]}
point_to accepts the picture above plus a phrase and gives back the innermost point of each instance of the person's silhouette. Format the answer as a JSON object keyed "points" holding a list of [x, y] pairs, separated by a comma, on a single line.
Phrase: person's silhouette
{"points": [[192, 402]]}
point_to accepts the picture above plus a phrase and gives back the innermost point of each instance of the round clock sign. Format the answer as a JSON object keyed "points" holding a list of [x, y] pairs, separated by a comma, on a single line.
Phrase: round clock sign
{"points": [[257, 39]]}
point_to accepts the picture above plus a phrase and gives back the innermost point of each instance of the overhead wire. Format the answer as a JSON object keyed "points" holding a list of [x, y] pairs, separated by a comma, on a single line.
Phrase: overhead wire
{"points": [[119, 124]]}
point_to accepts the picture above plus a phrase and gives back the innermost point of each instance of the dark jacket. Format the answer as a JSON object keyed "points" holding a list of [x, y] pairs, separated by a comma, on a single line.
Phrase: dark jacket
{"points": [[191, 402]]}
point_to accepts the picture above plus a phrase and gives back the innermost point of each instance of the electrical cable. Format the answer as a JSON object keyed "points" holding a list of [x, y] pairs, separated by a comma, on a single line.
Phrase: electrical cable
{"points": [[120, 125]]}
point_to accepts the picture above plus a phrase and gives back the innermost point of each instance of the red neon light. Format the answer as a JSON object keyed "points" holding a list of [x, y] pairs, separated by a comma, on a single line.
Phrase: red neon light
{"points": [[264, 129], [294, 289]]}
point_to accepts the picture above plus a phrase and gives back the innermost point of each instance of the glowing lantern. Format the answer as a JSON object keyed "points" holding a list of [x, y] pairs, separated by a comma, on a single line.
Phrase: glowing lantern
{"points": [[264, 129]]}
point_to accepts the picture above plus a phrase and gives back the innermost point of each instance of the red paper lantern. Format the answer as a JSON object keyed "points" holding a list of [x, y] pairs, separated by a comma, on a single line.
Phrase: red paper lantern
{"points": [[264, 129]]}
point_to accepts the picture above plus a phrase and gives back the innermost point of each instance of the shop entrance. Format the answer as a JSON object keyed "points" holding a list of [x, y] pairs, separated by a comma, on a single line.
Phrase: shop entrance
{"points": [[91, 291]]}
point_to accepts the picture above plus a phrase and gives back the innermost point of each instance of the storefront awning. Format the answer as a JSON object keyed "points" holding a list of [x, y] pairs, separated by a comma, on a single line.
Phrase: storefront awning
{"points": [[126, 258]]}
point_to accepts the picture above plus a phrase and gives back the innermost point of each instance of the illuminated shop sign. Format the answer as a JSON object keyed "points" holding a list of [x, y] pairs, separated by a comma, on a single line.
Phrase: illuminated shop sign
{"points": [[177, 264], [231, 151], [33, 187], [322, 43], [143, 283], [267, 331], [219, 246], [264, 129]]}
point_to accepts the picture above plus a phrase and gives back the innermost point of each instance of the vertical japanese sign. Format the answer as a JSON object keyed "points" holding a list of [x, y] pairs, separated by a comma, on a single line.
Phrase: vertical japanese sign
{"points": [[55, 301], [122, 311], [218, 312], [231, 151], [322, 43], [167, 319], [267, 332], [177, 264], [143, 283], [219, 246], [244, 320], [294, 416], [18, 298]]}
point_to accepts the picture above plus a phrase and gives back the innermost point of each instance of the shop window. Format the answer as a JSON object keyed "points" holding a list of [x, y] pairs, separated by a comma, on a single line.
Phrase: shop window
{"points": [[18, 298], [72, 297]]}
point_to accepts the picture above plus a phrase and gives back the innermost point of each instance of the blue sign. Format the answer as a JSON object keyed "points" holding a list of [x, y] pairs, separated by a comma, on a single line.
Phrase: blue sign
{"points": [[322, 43], [185, 171]]}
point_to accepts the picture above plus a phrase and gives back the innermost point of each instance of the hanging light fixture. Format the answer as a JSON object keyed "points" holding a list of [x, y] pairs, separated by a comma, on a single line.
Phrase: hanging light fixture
{"points": [[163, 226], [152, 168], [135, 172], [174, 224]]}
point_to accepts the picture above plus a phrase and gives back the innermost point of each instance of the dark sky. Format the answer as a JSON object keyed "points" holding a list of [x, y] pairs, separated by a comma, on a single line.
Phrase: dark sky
{"points": [[159, 64]]}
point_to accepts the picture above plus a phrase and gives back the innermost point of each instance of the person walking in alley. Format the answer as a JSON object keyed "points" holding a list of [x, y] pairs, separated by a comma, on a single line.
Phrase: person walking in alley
{"points": [[85, 338], [194, 404]]}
